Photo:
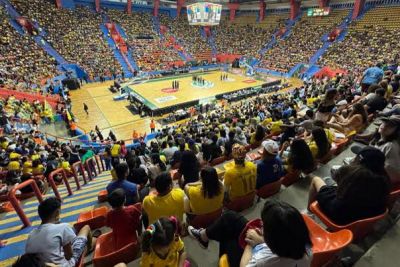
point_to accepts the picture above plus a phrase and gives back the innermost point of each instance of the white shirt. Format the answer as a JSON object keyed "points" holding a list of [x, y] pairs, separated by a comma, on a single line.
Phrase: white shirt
{"points": [[264, 257], [48, 240]]}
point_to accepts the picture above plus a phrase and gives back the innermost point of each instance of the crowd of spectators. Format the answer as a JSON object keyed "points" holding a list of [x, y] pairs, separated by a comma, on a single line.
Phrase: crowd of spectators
{"points": [[295, 130], [75, 34], [303, 42], [305, 124], [23, 64], [148, 50], [238, 39], [187, 35], [361, 48]]}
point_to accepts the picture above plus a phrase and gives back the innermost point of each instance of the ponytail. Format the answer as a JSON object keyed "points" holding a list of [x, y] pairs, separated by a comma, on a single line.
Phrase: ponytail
{"points": [[161, 233]]}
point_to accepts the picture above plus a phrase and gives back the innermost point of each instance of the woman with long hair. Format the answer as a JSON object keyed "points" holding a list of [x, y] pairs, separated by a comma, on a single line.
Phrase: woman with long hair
{"points": [[326, 106], [206, 195], [355, 121], [300, 157], [189, 168], [281, 239], [258, 136], [319, 145]]}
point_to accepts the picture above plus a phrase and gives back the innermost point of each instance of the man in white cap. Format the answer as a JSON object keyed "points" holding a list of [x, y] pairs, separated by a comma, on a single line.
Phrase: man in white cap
{"points": [[270, 167]]}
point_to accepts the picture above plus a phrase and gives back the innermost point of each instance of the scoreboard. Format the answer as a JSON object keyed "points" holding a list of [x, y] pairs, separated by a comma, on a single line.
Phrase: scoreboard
{"points": [[204, 14], [316, 12]]}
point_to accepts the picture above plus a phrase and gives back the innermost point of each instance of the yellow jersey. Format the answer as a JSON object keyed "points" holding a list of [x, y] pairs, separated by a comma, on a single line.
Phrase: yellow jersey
{"points": [[201, 205], [164, 206], [240, 180], [151, 259]]}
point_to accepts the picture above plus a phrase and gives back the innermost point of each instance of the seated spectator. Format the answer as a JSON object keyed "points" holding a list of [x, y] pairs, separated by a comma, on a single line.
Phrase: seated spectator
{"points": [[131, 190], [31, 260], [189, 168], [156, 166], [124, 221], [360, 193], [206, 195], [319, 144], [12, 180], [376, 103], [240, 177], [387, 140], [162, 245], [355, 121], [168, 201], [56, 242], [325, 108], [211, 150], [299, 156], [278, 243], [229, 144], [258, 136], [270, 167]]}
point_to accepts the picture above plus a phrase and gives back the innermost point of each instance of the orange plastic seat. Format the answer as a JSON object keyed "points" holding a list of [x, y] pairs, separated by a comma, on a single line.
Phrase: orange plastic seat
{"points": [[102, 196], [241, 203], [359, 228], [326, 245], [254, 156], [217, 161], [95, 218], [223, 261], [290, 178], [204, 220], [269, 189], [340, 145], [105, 254]]}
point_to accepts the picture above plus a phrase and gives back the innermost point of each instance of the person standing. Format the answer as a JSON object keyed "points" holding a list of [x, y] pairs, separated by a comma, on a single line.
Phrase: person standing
{"points": [[86, 108], [152, 126]]}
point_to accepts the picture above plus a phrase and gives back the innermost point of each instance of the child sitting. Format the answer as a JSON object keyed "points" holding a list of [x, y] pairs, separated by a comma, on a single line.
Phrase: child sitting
{"points": [[162, 246], [125, 221]]}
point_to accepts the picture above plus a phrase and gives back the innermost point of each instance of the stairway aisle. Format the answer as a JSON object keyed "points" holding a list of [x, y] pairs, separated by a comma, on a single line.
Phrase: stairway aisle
{"points": [[117, 54]]}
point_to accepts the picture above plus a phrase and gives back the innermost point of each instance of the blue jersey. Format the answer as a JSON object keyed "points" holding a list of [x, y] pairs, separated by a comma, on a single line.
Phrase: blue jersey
{"points": [[129, 188], [269, 171], [372, 75]]}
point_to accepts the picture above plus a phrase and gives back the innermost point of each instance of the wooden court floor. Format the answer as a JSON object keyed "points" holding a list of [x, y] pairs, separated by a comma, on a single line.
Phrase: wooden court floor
{"points": [[158, 92], [108, 114]]}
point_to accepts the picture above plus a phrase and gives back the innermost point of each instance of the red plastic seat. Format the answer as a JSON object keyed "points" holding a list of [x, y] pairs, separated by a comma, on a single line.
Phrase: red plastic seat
{"points": [[359, 228], [95, 218], [241, 203], [204, 220], [269, 189], [290, 178], [102, 196], [6, 207], [254, 156], [217, 161], [325, 244], [105, 254], [223, 261], [393, 196]]}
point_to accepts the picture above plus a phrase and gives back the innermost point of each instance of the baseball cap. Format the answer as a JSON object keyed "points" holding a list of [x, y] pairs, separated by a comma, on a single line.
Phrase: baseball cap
{"points": [[238, 151], [370, 157], [270, 146], [394, 119]]}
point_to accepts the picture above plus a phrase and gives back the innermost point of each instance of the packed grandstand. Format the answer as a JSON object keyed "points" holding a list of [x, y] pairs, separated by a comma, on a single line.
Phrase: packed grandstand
{"points": [[304, 175]]}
